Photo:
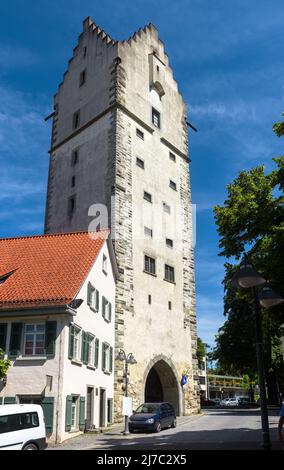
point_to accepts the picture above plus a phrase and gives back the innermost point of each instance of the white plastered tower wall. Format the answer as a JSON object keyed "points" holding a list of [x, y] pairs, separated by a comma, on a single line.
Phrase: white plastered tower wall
{"points": [[124, 80]]}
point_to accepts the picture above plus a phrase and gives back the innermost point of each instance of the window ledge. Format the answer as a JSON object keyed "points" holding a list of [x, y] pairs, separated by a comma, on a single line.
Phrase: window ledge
{"points": [[171, 282], [90, 366], [107, 372], [93, 309], [105, 272], [76, 362], [151, 274], [31, 358]]}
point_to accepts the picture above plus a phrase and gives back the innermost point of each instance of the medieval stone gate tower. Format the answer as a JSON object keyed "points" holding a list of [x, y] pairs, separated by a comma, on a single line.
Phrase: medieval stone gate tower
{"points": [[119, 138]]}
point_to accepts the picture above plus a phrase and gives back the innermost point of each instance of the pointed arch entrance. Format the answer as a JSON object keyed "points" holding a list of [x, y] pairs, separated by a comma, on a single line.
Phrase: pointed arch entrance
{"points": [[162, 384]]}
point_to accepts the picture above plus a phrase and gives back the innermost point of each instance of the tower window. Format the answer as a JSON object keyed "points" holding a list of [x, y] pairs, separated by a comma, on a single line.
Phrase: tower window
{"points": [[169, 273], [170, 305], [147, 196], [76, 119], [149, 265], [149, 299], [140, 163], [73, 181], [85, 52], [169, 243], [140, 134], [173, 185], [166, 208], [148, 232], [75, 157], [156, 118], [172, 156], [71, 205], [82, 79]]}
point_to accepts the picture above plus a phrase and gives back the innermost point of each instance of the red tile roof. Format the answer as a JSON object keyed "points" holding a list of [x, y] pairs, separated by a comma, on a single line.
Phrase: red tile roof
{"points": [[46, 269]]}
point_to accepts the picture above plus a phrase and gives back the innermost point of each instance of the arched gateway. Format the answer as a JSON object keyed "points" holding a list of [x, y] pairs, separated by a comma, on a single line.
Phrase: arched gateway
{"points": [[162, 384]]}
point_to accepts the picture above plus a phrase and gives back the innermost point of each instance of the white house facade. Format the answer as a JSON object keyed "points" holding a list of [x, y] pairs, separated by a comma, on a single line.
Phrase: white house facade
{"points": [[59, 334]]}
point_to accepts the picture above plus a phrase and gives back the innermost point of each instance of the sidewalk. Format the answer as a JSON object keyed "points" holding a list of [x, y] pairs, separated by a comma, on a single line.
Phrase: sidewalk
{"points": [[116, 429]]}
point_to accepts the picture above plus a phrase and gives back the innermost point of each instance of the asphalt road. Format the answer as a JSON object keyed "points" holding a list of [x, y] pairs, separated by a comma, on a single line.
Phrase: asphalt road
{"points": [[214, 429]]}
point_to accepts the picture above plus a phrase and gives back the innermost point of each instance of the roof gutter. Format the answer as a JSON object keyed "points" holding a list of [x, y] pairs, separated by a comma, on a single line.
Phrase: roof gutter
{"points": [[34, 311]]}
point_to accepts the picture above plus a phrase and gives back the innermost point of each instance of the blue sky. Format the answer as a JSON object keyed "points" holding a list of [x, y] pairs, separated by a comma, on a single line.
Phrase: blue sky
{"points": [[228, 60]]}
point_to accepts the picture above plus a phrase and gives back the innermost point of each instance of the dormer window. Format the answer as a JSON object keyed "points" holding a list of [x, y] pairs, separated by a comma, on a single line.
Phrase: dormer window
{"points": [[104, 264], [4, 278]]}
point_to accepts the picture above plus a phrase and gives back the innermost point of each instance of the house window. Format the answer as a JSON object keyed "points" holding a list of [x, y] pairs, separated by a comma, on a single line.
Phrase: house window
{"points": [[106, 310], [93, 298], [172, 156], [104, 264], [74, 413], [156, 118], [91, 349], [73, 181], [71, 206], [148, 232], [147, 196], [170, 305], [76, 120], [166, 208], [82, 79], [169, 273], [140, 163], [107, 358], [77, 344], [140, 134], [169, 243], [173, 185], [75, 157], [34, 339], [149, 265]]}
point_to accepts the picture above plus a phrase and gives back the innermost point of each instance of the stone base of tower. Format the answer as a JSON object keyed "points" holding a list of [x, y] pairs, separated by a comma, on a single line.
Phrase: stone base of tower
{"points": [[158, 380]]}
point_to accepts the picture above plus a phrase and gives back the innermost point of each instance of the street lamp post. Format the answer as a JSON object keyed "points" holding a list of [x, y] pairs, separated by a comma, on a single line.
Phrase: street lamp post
{"points": [[127, 359], [246, 277]]}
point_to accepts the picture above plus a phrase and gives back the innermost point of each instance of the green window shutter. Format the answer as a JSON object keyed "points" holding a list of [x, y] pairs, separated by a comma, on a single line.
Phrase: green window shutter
{"points": [[89, 294], [50, 337], [71, 342], [68, 413], [109, 410], [82, 413], [84, 351], [3, 336], [15, 339], [10, 400], [47, 404], [97, 346], [104, 307], [103, 356], [110, 308], [110, 359], [97, 300]]}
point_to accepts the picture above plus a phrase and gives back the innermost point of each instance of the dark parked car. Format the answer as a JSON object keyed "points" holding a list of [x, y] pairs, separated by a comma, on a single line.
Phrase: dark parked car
{"points": [[206, 403], [153, 417]]}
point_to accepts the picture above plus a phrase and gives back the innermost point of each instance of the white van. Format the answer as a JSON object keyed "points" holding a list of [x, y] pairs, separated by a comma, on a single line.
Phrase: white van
{"points": [[22, 427]]}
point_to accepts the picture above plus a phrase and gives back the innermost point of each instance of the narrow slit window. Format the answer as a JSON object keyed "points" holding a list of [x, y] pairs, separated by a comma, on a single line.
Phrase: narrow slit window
{"points": [[156, 118], [147, 196], [173, 185], [140, 134], [83, 76], [140, 163], [76, 120], [172, 157], [71, 205]]}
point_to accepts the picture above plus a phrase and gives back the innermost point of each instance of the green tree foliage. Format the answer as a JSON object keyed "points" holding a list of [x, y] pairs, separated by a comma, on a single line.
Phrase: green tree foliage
{"points": [[201, 351], [279, 128], [252, 221], [4, 365]]}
